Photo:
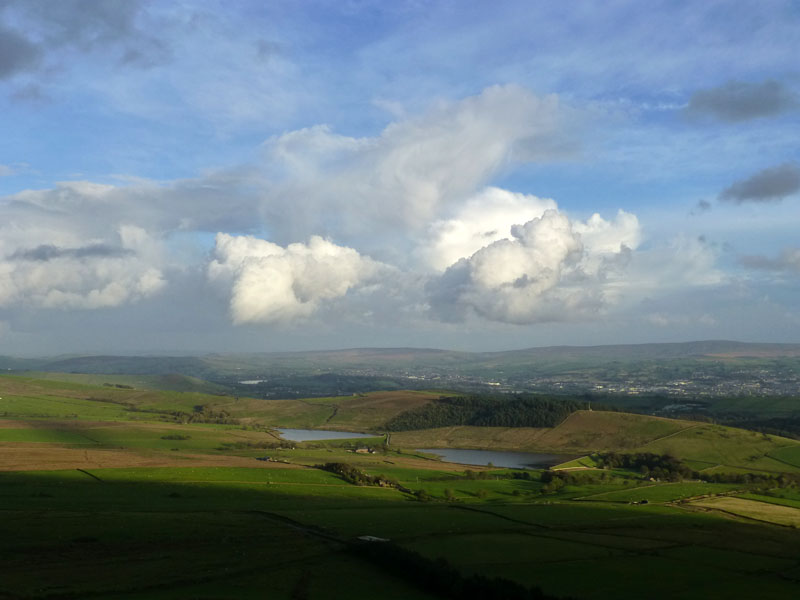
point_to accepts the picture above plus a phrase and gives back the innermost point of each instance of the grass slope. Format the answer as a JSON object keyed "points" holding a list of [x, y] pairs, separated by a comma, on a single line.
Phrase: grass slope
{"points": [[108, 508], [361, 412], [172, 382], [702, 445]]}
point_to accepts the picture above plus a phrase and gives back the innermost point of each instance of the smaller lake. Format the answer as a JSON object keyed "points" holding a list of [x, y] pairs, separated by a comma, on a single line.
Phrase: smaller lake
{"points": [[314, 435], [510, 460]]}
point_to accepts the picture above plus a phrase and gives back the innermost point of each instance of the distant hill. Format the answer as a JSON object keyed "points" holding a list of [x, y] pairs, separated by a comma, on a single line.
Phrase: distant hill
{"points": [[723, 367], [407, 357]]}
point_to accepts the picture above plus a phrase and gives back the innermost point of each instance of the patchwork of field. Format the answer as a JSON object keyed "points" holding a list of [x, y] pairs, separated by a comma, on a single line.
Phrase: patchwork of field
{"points": [[108, 493]]}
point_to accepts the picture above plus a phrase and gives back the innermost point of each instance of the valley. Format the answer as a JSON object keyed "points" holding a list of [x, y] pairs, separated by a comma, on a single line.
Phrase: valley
{"points": [[109, 491]]}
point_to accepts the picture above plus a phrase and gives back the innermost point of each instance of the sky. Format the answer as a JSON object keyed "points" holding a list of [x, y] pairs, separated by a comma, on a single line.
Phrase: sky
{"points": [[200, 176]]}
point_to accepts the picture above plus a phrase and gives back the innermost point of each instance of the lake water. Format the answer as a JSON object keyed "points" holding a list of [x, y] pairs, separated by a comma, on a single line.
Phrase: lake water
{"points": [[510, 460], [314, 435]]}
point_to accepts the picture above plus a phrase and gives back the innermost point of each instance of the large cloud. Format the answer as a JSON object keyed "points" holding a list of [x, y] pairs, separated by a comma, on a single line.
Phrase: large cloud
{"points": [[543, 272], [769, 185], [272, 284], [379, 194], [740, 101], [414, 197], [401, 180]]}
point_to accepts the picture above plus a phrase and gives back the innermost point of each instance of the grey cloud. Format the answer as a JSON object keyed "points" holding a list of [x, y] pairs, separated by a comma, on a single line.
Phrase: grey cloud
{"points": [[83, 25], [769, 185], [47, 252], [444, 292], [741, 101], [16, 53], [788, 260]]}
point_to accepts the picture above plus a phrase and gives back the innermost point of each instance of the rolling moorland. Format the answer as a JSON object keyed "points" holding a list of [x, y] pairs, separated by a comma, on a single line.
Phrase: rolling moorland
{"points": [[114, 489]]}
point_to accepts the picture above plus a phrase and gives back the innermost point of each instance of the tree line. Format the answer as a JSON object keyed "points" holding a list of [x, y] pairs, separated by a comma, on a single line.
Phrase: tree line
{"points": [[525, 410], [665, 467], [658, 466]]}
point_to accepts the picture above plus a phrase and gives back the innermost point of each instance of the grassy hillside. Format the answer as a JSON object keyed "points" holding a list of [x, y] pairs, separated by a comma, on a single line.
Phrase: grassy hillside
{"points": [[172, 382], [582, 431], [107, 494], [22, 397], [702, 445]]}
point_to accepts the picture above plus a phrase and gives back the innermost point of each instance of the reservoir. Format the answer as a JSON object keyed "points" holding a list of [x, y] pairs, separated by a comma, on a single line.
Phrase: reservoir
{"points": [[314, 435], [510, 460]]}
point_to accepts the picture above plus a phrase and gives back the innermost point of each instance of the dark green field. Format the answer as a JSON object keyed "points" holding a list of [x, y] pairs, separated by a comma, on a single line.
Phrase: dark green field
{"points": [[108, 493]]}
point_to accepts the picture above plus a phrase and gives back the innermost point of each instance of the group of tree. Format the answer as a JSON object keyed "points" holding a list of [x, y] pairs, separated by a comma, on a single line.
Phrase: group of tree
{"points": [[242, 445], [665, 467], [356, 476], [470, 474], [657, 466], [765, 480], [552, 481], [525, 410], [206, 414], [784, 426]]}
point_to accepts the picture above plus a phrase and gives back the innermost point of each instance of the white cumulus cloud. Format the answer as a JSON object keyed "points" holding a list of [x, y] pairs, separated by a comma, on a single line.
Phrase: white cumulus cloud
{"points": [[271, 284], [483, 219], [366, 189], [543, 271]]}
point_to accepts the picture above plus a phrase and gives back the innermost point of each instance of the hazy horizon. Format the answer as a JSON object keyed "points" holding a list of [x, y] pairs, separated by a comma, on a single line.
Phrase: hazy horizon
{"points": [[200, 353], [191, 179]]}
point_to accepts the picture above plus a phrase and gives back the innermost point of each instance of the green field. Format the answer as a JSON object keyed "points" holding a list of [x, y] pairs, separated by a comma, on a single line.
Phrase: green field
{"points": [[108, 492]]}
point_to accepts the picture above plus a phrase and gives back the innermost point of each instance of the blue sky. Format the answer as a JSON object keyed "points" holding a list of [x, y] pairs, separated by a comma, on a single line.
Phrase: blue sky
{"points": [[208, 176]]}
